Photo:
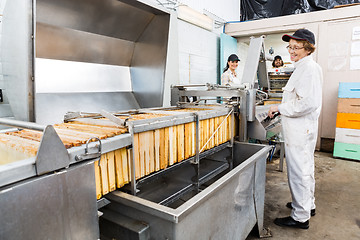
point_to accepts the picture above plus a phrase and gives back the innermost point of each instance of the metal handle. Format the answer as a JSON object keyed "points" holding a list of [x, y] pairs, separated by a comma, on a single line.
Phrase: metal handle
{"points": [[87, 155], [87, 144], [349, 135], [112, 118]]}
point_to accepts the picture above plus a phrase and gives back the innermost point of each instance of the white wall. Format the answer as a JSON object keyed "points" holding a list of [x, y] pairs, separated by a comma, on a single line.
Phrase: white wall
{"points": [[198, 54], [199, 48], [228, 10]]}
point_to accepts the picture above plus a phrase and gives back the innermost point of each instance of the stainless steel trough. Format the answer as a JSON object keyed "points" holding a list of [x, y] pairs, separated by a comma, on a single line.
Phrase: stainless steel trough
{"points": [[226, 208]]}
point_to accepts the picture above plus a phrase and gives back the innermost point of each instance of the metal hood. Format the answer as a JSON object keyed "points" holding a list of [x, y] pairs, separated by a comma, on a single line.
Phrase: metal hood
{"points": [[86, 55]]}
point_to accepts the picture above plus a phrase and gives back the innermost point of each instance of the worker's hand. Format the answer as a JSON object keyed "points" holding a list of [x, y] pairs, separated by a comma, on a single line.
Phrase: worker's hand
{"points": [[272, 111]]}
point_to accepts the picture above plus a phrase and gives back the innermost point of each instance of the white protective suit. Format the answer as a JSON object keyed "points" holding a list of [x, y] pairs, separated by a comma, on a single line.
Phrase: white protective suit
{"points": [[300, 110], [229, 79]]}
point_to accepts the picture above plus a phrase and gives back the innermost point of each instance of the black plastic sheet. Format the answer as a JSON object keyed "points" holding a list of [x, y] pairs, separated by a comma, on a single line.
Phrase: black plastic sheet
{"points": [[258, 9]]}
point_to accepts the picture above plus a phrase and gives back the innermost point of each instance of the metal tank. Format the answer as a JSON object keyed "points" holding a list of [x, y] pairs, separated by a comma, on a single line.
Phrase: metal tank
{"points": [[226, 208]]}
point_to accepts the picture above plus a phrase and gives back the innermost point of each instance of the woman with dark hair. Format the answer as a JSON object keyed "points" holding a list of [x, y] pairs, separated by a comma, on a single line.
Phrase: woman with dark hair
{"points": [[229, 76], [278, 62], [300, 109]]}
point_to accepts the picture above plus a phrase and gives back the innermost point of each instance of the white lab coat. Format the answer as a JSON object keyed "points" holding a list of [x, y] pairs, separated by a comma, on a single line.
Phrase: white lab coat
{"points": [[229, 79], [300, 110]]}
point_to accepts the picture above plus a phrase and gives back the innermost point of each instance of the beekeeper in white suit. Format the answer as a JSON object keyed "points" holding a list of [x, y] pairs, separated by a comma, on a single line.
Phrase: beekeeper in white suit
{"points": [[300, 110]]}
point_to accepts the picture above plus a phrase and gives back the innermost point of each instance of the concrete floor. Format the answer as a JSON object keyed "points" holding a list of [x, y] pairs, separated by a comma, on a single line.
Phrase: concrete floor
{"points": [[337, 196]]}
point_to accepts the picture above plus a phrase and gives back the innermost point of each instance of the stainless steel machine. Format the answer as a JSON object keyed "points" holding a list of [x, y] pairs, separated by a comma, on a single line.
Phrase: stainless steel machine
{"points": [[168, 203], [213, 183]]}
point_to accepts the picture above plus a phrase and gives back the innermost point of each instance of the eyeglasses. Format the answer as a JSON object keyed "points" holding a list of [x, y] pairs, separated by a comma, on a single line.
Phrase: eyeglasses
{"points": [[294, 48]]}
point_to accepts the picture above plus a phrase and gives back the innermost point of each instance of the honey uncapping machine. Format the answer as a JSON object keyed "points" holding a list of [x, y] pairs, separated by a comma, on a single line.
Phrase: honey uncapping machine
{"points": [[181, 172]]}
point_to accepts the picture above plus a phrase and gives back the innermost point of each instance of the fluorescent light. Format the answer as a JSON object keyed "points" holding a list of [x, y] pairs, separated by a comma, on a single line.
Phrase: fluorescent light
{"points": [[194, 17]]}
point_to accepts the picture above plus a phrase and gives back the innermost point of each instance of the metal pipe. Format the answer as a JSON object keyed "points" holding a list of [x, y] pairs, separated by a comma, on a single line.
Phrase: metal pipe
{"points": [[22, 124], [132, 165], [266, 94], [232, 124], [189, 85], [243, 121], [197, 143], [197, 156], [232, 136]]}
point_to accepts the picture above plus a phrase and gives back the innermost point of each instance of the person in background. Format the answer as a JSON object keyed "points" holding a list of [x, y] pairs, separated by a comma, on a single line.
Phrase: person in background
{"points": [[300, 110], [229, 76], [278, 62]]}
